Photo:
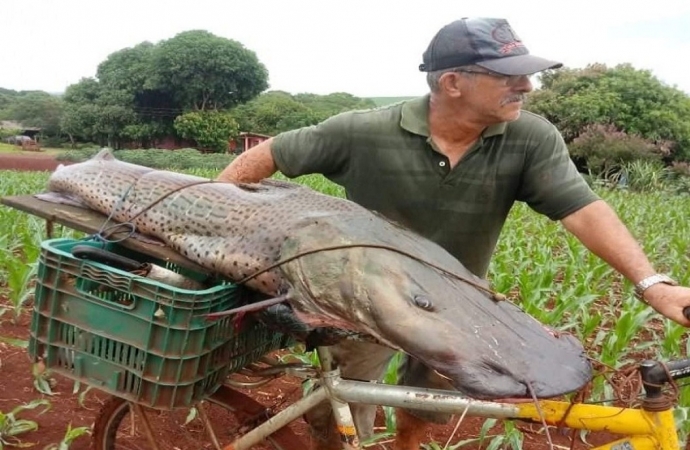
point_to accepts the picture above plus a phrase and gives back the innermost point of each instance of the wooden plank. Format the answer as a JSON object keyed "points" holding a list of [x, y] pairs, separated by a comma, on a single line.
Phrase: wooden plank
{"points": [[91, 222]]}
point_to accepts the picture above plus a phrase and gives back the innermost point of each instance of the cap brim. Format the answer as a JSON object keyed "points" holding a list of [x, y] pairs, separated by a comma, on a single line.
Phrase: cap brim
{"points": [[519, 65]]}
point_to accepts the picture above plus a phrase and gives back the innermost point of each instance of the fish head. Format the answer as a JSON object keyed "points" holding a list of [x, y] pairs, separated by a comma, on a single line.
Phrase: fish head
{"points": [[485, 346], [445, 317]]}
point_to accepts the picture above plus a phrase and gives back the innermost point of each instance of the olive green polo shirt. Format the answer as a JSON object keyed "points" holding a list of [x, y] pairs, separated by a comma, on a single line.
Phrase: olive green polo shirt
{"points": [[386, 161]]}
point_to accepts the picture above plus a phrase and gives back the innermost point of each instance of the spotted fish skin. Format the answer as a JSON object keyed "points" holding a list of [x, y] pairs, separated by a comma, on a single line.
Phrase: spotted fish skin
{"points": [[384, 280], [253, 220]]}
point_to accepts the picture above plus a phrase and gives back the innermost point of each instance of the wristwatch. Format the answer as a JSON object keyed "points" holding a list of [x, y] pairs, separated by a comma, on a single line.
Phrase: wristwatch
{"points": [[651, 280]]}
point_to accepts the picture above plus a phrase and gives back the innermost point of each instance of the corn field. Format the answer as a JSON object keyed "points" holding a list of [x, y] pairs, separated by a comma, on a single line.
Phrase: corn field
{"points": [[537, 264]]}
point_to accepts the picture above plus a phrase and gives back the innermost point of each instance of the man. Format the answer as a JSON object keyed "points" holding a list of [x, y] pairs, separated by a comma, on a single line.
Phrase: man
{"points": [[450, 165]]}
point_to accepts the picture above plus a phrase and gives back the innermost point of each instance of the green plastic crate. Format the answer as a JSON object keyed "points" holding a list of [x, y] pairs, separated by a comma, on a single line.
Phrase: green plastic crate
{"points": [[134, 337]]}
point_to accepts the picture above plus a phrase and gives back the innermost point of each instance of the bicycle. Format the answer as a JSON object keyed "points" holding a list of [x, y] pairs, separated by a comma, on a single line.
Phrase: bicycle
{"points": [[651, 426]]}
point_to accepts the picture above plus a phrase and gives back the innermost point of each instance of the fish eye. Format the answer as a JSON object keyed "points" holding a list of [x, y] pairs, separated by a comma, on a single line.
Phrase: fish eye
{"points": [[422, 302]]}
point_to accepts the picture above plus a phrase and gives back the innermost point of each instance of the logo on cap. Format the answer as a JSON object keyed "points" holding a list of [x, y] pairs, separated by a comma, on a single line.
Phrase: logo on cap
{"points": [[505, 35]]}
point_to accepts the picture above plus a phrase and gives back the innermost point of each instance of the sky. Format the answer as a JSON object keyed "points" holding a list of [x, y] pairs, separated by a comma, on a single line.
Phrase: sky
{"points": [[364, 47]]}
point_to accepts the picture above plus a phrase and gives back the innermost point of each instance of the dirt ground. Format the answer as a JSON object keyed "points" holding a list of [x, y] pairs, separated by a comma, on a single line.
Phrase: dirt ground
{"points": [[35, 161], [16, 388]]}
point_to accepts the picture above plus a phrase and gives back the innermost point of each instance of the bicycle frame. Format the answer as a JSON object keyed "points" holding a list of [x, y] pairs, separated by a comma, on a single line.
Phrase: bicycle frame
{"points": [[651, 427]]}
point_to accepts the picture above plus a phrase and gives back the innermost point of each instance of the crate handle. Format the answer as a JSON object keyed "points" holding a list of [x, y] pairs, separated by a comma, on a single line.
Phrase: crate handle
{"points": [[108, 258]]}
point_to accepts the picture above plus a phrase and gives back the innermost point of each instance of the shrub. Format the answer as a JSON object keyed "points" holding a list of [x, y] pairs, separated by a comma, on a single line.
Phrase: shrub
{"points": [[604, 149], [53, 141], [210, 129]]}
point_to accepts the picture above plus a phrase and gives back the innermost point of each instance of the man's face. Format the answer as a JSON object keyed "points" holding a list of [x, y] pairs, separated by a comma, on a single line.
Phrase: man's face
{"points": [[492, 97]]}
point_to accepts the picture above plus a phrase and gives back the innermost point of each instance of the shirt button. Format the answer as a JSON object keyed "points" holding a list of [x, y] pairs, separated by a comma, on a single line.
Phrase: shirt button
{"points": [[442, 164]]}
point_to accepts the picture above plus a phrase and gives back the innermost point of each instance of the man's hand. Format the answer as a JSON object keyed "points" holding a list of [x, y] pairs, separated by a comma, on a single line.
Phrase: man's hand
{"points": [[669, 301]]}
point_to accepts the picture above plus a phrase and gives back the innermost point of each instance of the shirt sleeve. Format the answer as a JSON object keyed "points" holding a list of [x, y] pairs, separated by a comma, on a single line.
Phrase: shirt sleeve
{"points": [[551, 184], [323, 148]]}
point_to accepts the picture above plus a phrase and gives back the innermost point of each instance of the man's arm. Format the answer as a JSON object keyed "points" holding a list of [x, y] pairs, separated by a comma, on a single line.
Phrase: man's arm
{"points": [[598, 227], [251, 166]]}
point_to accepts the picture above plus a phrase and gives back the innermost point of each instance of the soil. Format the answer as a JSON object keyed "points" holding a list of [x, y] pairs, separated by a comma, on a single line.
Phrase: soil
{"points": [[69, 409], [28, 161]]}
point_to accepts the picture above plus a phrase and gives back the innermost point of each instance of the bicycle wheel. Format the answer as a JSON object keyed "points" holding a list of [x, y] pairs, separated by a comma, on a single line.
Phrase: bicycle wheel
{"points": [[231, 414]]}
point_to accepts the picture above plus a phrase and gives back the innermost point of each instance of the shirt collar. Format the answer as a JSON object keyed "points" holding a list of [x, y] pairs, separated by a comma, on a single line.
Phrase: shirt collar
{"points": [[415, 112]]}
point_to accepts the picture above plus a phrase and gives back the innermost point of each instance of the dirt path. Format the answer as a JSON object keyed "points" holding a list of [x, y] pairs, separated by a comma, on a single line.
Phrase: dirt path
{"points": [[28, 161]]}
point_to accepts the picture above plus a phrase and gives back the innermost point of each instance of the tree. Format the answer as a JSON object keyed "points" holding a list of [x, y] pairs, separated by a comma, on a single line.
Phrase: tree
{"points": [[277, 111], [81, 112], [127, 70], [202, 71], [95, 112], [633, 101], [139, 91], [7, 97], [38, 109], [272, 113], [325, 106]]}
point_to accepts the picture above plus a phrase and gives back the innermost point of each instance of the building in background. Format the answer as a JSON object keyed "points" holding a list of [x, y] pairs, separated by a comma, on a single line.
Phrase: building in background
{"points": [[245, 141]]}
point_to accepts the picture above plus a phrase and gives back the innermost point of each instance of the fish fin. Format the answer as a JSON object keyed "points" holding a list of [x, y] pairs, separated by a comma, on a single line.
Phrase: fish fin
{"points": [[60, 198], [281, 184], [268, 184], [105, 154], [251, 187]]}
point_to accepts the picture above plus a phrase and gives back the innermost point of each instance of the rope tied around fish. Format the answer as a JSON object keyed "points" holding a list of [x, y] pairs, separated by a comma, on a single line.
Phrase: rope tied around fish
{"points": [[103, 235]]}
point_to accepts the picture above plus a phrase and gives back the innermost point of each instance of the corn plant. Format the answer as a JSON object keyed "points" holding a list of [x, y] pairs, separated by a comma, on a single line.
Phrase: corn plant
{"points": [[11, 427], [479, 440], [19, 288], [70, 435], [21, 343]]}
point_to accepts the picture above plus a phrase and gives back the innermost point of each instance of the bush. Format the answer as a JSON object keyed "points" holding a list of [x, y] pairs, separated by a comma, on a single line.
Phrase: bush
{"points": [[187, 158], [52, 141], [210, 129], [679, 172], [604, 149]]}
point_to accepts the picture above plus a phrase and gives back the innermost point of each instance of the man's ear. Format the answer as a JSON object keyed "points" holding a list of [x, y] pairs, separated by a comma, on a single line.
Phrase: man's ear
{"points": [[451, 84]]}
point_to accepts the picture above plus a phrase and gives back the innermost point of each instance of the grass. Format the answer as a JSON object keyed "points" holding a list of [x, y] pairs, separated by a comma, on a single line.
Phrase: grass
{"points": [[9, 148]]}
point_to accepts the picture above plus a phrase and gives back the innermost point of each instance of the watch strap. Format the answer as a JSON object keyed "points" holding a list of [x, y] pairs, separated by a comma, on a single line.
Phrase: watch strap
{"points": [[651, 280]]}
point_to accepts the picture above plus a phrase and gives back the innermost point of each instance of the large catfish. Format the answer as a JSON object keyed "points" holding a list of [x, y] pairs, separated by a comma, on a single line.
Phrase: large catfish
{"points": [[342, 266]]}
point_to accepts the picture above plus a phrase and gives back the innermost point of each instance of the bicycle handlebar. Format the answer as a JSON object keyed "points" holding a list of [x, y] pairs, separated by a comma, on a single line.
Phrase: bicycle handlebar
{"points": [[656, 373]]}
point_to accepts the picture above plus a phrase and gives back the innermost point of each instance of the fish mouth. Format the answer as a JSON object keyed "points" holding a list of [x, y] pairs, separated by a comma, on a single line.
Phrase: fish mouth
{"points": [[523, 378], [482, 382], [496, 366]]}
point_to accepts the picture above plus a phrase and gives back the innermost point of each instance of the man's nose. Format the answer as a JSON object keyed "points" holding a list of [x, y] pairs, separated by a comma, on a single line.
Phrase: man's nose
{"points": [[524, 84]]}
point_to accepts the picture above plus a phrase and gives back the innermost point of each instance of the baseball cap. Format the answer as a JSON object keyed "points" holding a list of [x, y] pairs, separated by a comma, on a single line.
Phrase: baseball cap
{"points": [[485, 42]]}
